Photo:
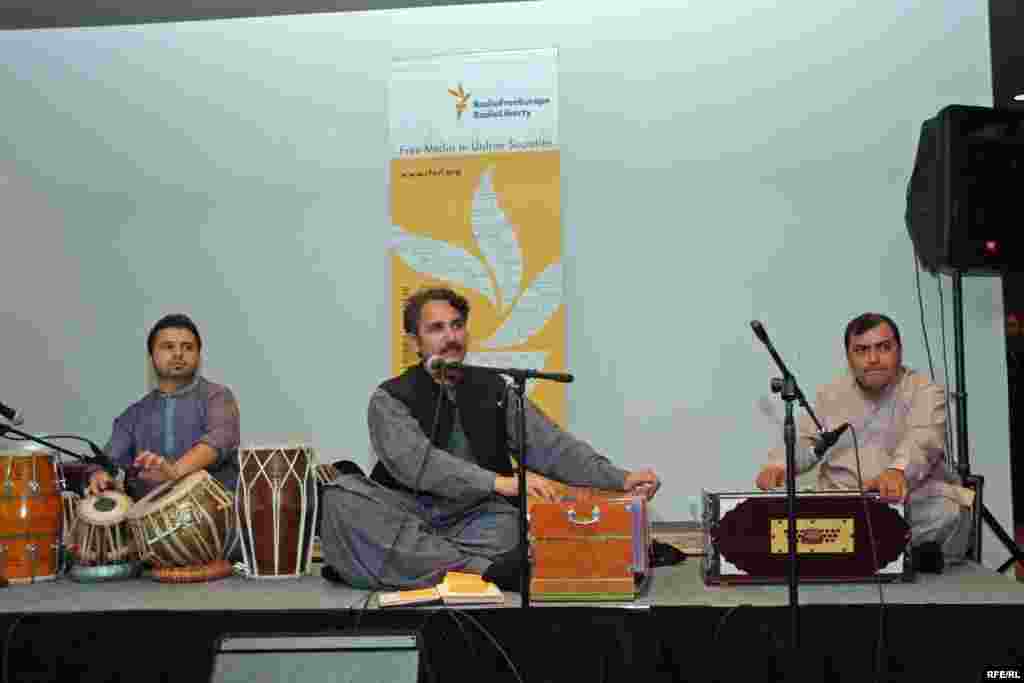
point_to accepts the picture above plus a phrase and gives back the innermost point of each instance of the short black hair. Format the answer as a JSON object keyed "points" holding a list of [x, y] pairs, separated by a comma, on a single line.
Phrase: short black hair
{"points": [[179, 320], [413, 307], [869, 321]]}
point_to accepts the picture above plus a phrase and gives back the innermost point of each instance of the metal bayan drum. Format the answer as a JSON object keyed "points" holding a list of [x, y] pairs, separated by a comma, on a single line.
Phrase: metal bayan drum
{"points": [[276, 505], [184, 523], [30, 516]]}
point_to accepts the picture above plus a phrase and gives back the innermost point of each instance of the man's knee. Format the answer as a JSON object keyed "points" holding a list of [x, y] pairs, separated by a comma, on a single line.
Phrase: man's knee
{"points": [[935, 520], [332, 505], [507, 531], [490, 532]]}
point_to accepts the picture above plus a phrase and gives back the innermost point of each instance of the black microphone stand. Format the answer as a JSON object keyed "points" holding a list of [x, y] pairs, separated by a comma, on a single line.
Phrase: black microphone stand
{"points": [[518, 387], [790, 391], [519, 392]]}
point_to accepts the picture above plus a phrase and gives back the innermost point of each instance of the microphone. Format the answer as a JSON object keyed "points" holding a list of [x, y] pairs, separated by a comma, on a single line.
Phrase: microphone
{"points": [[759, 331], [436, 363], [828, 439], [11, 415]]}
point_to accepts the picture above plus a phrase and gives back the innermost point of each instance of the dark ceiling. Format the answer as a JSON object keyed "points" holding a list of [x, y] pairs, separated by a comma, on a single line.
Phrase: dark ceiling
{"points": [[19, 14]]}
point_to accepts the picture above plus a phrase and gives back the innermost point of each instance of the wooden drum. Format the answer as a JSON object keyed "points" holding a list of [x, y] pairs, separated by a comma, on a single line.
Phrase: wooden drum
{"points": [[185, 523], [277, 509], [30, 516]]}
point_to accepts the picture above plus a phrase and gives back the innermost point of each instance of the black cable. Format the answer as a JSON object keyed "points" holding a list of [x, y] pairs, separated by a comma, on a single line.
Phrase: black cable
{"points": [[415, 490], [924, 327], [719, 629], [462, 629], [7, 647], [74, 437], [494, 642], [454, 615], [880, 643], [949, 455], [721, 622]]}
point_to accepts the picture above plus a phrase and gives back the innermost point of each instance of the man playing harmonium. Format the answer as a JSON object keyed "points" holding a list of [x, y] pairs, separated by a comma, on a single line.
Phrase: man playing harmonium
{"points": [[184, 425], [431, 506], [899, 422]]}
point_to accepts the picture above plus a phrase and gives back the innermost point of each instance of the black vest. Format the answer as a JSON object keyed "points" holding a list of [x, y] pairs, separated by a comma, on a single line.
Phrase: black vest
{"points": [[480, 398]]}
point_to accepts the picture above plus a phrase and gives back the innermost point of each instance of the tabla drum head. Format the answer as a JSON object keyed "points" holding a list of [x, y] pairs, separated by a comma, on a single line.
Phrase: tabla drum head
{"points": [[106, 509], [166, 493]]}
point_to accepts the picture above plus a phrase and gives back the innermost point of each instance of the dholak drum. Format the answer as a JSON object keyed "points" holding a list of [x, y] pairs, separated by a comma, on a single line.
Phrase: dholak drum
{"points": [[277, 505], [182, 527], [101, 534], [30, 516]]}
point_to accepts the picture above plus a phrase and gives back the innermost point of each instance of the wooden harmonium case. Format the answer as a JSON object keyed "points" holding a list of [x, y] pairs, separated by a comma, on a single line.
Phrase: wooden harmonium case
{"points": [[746, 538], [591, 545]]}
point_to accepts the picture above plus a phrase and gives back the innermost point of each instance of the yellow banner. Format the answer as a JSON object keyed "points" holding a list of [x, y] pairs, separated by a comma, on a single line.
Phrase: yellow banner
{"points": [[477, 209]]}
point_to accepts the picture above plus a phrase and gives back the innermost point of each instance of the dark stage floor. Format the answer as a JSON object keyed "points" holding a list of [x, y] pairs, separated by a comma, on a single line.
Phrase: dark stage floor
{"points": [[949, 627]]}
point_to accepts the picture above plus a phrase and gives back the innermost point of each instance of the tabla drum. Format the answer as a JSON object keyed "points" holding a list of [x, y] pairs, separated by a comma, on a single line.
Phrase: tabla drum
{"points": [[277, 504], [69, 510], [101, 534], [101, 541], [30, 516], [184, 524]]}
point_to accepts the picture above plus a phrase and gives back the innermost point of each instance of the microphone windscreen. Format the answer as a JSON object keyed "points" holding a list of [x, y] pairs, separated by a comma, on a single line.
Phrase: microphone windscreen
{"points": [[759, 330]]}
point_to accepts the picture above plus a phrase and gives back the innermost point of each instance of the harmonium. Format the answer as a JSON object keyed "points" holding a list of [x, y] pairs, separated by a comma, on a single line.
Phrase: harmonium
{"points": [[591, 545], [746, 538]]}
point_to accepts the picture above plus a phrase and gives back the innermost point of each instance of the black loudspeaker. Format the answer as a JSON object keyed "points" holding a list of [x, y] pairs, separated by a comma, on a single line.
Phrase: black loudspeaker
{"points": [[964, 196], [363, 657]]}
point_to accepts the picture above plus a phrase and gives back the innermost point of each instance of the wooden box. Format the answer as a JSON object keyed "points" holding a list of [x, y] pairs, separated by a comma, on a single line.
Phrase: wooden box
{"points": [[590, 546]]}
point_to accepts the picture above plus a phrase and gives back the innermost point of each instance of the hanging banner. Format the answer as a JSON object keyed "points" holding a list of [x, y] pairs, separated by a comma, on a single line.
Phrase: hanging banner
{"points": [[475, 205]]}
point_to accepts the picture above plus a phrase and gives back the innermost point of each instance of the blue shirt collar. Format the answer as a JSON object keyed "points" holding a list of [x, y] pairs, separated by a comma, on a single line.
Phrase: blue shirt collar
{"points": [[182, 391]]}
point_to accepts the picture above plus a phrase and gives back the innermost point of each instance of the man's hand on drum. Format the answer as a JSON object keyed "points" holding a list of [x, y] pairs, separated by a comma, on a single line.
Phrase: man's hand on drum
{"points": [[99, 481], [154, 467], [643, 482], [771, 477]]}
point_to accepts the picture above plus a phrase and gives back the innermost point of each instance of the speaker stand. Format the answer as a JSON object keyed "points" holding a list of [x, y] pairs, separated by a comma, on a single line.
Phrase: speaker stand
{"points": [[960, 396]]}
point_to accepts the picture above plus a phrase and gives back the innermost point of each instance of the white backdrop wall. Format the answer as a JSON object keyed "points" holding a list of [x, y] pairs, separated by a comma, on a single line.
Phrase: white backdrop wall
{"points": [[721, 162]]}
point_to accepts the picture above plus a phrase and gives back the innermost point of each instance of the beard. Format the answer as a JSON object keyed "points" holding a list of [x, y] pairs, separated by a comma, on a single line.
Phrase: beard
{"points": [[185, 375]]}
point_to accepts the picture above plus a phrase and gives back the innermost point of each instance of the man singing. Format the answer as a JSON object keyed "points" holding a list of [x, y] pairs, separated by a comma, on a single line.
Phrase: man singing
{"points": [[438, 498]]}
